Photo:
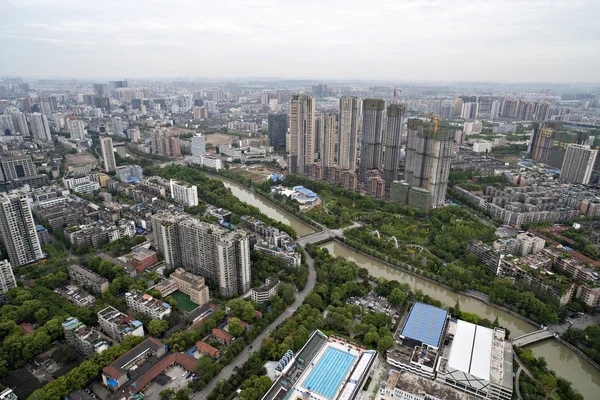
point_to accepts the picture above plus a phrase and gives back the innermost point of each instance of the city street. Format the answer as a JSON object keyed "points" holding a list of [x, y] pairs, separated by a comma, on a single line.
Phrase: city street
{"points": [[256, 343]]}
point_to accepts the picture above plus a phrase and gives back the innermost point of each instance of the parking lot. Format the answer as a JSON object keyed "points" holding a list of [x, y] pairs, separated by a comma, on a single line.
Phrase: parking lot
{"points": [[374, 303], [178, 381]]}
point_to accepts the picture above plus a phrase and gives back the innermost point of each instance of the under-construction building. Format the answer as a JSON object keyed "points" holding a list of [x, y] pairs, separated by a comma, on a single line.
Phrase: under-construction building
{"points": [[391, 153], [428, 156]]}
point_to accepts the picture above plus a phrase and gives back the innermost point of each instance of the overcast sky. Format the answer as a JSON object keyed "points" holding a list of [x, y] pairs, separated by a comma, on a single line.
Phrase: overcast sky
{"points": [[401, 40]]}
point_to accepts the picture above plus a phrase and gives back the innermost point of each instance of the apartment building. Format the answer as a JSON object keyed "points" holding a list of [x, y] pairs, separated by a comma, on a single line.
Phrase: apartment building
{"points": [[87, 341], [118, 325], [143, 303], [7, 278], [184, 193], [220, 255], [264, 293], [87, 279], [17, 229]]}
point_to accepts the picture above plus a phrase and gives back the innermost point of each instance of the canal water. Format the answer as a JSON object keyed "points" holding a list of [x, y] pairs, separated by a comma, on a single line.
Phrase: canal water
{"points": [[301, 228], [566, 363]]}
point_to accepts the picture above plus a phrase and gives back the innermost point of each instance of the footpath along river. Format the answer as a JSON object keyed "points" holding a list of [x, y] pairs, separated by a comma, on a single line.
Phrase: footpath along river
{"points": [[565, 362]]}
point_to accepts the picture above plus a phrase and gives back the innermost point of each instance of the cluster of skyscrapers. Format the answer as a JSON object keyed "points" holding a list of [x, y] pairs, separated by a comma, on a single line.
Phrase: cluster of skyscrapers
{"points": [[360, 147]]}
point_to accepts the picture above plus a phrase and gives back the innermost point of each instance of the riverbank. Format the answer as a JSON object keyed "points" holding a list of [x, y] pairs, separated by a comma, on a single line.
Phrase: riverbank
{"points": [[313, 225], [472, 294]]}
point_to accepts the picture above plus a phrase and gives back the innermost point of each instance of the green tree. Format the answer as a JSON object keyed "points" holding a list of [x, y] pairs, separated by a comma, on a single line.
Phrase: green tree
{"points": [[314, 300], [158, 327], [70, 354], [397, 297], [287, 292], [385, 343], [371, 338], [235, 327], [457, 312], [241, 309]]}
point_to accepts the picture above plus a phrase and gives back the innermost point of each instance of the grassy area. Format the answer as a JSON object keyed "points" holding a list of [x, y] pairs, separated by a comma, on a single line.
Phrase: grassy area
{"points": [[183, 301]]}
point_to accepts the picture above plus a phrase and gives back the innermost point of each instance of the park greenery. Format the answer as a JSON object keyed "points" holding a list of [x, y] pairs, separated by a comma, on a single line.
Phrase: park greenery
{"points": [[546, 384], [586, 340], [265, 266], [443, 233]]}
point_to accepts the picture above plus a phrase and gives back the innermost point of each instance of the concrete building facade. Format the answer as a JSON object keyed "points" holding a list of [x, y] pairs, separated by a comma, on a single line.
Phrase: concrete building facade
{"points": [[349, 126], [18, 230], [302, 145], [372, 135], [107, 154]]}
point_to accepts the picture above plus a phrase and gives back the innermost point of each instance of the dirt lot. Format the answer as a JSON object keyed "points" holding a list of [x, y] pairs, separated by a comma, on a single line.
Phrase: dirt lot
{"points": [[216, 139], [258, 175], [80, 159]]}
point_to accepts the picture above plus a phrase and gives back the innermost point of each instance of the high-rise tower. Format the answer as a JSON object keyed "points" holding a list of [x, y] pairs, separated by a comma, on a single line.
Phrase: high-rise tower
{"points": [[348, 132], [278, 125], [372, 134], [39, 126], [327, 150], [302, 145], [17, 229], [578, 164], [391, 153], [107, 153], [428, 155]]}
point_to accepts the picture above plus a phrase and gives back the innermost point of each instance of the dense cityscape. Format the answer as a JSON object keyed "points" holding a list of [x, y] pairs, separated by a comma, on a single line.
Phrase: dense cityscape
{"points": [[281, 201]]}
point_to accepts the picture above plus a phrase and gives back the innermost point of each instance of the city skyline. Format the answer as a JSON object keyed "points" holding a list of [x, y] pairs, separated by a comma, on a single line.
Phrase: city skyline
{"points": [[395, 41]]}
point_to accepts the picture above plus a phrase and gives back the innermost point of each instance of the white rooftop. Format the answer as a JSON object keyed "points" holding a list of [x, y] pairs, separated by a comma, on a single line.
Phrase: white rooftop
{"points": [[471, 350]]}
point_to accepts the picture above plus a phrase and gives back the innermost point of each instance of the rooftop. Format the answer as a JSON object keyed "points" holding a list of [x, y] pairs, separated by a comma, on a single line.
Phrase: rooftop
{"points": [[124, 321], [147, 300], [418, 385], [120, 365], [425, 324], [471, 349]]}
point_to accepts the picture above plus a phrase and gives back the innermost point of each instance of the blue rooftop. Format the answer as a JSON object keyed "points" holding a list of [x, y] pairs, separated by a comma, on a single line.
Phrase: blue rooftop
{"points": [[136, 323], [425, 324], [304, 191]]}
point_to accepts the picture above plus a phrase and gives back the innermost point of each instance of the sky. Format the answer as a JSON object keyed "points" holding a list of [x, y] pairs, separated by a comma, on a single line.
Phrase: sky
{"points": [[401, 40]]}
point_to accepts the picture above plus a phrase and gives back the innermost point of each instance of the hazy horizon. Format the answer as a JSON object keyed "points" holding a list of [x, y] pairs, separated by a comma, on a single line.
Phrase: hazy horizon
{"points": [[511, 42]]}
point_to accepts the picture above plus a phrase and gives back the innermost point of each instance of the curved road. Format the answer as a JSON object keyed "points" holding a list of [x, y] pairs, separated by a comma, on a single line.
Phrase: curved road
{"points": [[241, 358]]}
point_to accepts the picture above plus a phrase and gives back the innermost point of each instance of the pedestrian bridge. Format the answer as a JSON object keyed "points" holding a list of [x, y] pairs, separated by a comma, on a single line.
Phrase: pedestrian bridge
{"points": [[532, 337]]}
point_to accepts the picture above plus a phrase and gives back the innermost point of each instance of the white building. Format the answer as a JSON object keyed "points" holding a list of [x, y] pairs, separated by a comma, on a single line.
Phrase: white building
{"points": [[482, 147], [264, 293], [184, 193], [472, 128], [76, 128], [198, 145], [119, 126], [89, 187], [211, 162], [71, 183], [140, 302], [17, 229], [40, 127], [7, 278], [478, 360], [578, 164], [495, 110], [118, 325]]}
